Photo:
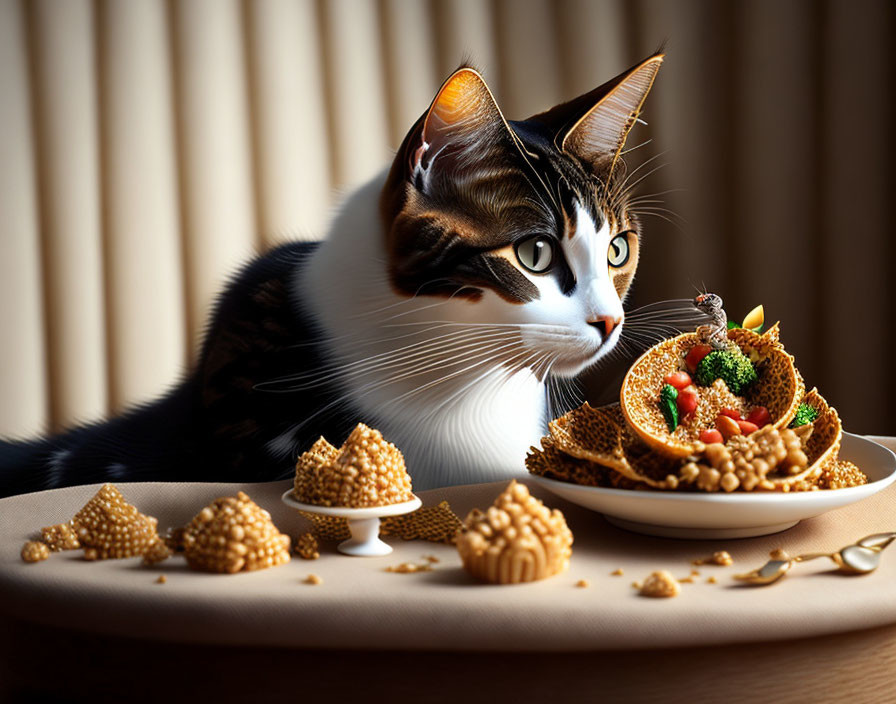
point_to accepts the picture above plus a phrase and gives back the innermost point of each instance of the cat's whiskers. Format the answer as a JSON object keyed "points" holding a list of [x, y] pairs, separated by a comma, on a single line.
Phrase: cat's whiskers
{"points": [[637, 146], [613, 195], [489, 376], [620, 195], [445, 377], [431, 354]]}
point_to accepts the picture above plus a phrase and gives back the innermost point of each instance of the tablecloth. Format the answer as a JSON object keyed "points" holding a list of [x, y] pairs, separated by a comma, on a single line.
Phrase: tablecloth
{"points": [[362, 605]]}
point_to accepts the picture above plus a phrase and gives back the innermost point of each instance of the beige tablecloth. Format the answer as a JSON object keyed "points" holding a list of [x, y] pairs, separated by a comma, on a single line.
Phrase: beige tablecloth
{"points": [[362, 606]]}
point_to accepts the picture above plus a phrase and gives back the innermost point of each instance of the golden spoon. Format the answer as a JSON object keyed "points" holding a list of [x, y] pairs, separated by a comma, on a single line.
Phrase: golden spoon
{"points": [[861, 557]]}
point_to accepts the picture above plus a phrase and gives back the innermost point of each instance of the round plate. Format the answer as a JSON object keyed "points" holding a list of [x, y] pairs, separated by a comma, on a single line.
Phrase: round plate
{"points": [[735, 515]]}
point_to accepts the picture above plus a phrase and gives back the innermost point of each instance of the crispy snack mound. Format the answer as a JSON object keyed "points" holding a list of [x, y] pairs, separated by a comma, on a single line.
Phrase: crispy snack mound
{"points": [[366, 471], [517, 539], [107, 527], [778, 388], [234, 534]]}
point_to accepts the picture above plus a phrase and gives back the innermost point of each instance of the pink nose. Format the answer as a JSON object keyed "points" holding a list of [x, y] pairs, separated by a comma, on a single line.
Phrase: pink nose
{"points": [[605, 324]]}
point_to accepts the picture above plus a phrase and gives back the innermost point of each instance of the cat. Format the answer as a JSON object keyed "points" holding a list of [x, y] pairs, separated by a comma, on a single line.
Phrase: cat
{"points": [[491, 258]]}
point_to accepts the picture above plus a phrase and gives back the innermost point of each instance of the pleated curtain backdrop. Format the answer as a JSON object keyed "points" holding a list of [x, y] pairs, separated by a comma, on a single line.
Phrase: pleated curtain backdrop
{"points": [[147, 148]]}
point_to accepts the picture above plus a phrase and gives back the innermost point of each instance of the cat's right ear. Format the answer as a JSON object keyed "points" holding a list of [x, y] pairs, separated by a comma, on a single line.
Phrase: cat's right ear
{"points": [[462, 127]]}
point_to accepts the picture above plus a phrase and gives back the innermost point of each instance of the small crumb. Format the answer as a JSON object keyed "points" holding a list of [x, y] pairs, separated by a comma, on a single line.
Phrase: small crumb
{"points": [[695, 573], [432, 559], [60, 537], [35, 551], [313, 579], [583, 583], [307, 547], [661, 584], [686, 580], [711, 580], [162, 579], [636, 585], [719, 557], [409, 568], [779, 554], [617, 572], [157, 552]]}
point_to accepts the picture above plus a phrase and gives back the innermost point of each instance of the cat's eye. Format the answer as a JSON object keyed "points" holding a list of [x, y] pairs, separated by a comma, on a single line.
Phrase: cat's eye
{"points": [[536, 253], [618, 252]]}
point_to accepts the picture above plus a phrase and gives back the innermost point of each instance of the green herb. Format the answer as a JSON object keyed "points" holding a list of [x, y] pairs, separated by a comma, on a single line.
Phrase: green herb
{"points": [[805, 414], [669, 406], [732, 366]]}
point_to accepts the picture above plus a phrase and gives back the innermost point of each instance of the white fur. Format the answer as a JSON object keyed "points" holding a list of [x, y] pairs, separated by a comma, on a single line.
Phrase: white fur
{"points": [[463, 408]]}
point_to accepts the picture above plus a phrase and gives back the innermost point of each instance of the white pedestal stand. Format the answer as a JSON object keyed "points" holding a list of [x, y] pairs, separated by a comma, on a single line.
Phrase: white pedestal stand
{"points": [[364, 523]]}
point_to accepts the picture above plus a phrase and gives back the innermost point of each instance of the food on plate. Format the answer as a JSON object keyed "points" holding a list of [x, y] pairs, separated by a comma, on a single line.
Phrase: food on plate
{"points": [[682, 388], [234, 534], [366, 471], [517, 539], [722, 409]]}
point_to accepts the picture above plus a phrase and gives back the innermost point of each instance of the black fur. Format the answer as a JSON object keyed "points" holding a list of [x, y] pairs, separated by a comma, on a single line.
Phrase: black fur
{"points": [[217, 423]]}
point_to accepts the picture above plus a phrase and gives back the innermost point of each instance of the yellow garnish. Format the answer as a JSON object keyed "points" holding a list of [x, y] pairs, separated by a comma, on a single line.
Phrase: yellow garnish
{"points": [[755, 318]]}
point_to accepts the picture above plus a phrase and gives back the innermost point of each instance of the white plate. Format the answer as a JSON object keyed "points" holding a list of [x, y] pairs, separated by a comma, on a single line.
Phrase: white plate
{"points": [[735, 515]]}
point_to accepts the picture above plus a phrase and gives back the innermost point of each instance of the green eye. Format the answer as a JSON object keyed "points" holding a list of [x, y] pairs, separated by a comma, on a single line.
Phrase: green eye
{"points": [[536, 253], [618, 252]]}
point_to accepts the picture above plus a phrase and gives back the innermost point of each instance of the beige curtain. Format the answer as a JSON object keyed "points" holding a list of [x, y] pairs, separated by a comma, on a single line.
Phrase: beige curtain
{"points": [[149, 147]]}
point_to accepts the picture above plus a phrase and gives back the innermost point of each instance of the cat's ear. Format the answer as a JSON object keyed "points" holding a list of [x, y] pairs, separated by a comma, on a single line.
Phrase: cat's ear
{"points": [[462, 127], [593, 127]]}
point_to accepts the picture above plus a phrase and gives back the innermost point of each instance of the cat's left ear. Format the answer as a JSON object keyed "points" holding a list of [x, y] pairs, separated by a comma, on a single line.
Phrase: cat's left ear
{"points": [[593, 127]]}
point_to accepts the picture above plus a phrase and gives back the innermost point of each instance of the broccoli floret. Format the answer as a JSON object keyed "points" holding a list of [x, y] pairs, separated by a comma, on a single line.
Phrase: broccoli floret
{"points": [[732, 366], [805, 414], [669, 406]]}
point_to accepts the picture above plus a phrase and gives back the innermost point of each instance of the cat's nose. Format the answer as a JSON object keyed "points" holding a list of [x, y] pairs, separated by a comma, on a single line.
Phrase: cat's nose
{"points": [[605, 324]]}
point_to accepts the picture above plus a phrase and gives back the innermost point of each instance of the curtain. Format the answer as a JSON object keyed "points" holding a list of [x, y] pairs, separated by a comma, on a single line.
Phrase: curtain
{"points": [[147, 148]]}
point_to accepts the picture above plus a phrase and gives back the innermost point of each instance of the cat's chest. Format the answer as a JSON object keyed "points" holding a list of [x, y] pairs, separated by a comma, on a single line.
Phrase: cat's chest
{"points": [[481, 437]]}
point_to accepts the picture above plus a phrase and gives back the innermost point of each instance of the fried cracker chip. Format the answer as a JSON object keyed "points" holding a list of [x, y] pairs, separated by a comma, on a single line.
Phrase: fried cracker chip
{"points": [[600, 435]]}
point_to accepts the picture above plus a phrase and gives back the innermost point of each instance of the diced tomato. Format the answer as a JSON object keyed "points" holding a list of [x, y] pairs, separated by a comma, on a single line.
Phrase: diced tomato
{"points": [[678, 379], [760, 416], [687, 401], [746, 427], [697, 353], [731, 413], [711, 435]]}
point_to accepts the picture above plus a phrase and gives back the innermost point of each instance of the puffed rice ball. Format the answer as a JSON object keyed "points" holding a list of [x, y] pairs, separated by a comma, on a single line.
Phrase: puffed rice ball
{"points": [[517, 539], [234, 534]]}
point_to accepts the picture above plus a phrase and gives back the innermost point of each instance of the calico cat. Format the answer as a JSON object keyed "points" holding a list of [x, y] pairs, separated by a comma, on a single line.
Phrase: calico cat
{"points": [[492, 257]]}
